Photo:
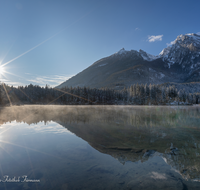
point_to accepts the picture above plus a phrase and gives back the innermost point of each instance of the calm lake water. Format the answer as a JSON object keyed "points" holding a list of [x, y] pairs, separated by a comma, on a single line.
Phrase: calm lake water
{"points": [[100, 147]]}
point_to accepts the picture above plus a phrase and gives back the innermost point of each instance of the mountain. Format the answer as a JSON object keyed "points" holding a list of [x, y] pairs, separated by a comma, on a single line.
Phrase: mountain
{"points": [[178, 63]]}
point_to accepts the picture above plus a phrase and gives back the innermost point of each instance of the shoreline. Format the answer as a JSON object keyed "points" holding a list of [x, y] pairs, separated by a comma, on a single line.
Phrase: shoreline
{"points": [[112, 105]]}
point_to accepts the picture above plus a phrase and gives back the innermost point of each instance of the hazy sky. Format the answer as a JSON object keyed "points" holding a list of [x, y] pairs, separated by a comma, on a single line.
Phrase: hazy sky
{"points": [[64, 37]]}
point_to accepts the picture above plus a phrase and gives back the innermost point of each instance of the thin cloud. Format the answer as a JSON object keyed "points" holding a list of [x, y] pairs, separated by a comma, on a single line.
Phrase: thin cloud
{"points": [[198, 33], [50, 80], [11, 83], [137, 29], [155, 38]]}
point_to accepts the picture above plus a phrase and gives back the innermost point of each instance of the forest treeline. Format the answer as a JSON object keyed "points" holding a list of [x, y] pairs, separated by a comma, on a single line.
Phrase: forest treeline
{"points": [[137, 94]]}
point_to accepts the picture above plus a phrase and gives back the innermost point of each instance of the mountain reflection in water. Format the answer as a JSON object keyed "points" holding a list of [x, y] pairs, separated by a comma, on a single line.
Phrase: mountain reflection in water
{"points": [[160, 136]]}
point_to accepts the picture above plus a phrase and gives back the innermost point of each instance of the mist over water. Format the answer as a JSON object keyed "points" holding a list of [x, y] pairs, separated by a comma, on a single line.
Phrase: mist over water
{"points": [[101, 147]]}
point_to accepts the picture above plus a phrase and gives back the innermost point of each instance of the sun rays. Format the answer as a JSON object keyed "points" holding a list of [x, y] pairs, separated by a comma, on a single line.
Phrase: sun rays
{"points": [[80, 18], [3, 78], [2, 70], [4, 75]]}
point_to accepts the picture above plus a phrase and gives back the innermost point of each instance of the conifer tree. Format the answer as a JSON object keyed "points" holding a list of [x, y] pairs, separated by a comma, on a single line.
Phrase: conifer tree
{"points": [[137, 90], [134, 90], [163, 95], [142, 94], [153, 94]]}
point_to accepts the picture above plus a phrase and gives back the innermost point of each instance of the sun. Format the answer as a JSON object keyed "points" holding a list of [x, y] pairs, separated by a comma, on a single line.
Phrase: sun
{"points": [[2, 70]]}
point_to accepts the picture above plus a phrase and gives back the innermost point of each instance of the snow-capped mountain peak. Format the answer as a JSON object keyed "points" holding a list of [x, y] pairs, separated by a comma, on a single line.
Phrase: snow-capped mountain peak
{"points": [[188, 39], [183, 50], [179, 62], [146, 56], [121, 51]]}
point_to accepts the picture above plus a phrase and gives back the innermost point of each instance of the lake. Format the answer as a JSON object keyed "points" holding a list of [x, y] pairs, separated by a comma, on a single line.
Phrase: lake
{"points": [[99, 147]]}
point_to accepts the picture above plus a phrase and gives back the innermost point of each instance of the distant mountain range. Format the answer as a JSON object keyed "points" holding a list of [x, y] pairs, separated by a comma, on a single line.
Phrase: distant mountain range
{"points": [[178, 63]]}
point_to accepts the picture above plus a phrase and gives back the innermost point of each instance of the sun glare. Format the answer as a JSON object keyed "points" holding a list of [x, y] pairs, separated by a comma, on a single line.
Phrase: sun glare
{"points": [[2, 70]]}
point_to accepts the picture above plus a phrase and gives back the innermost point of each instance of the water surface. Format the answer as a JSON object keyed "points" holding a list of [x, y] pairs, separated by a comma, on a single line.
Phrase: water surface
{"points": [[100, 147]]}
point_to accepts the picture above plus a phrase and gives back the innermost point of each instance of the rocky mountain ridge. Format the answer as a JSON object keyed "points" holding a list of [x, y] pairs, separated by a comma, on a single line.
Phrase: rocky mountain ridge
{"points": [[179, 63]]}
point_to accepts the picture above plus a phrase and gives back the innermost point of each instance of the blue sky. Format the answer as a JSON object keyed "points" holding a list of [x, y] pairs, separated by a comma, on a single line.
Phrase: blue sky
{"points": [[64, 37]]}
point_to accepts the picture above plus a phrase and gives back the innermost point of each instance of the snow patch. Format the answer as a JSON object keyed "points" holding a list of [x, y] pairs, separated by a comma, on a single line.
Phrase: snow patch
{"points": [[156, 175], [150, 69], [157, 75], [149, 57], [121, 51], [161, 75], [146, 56], [165, 51], [102, 65], [193, 36], [189, 34]]}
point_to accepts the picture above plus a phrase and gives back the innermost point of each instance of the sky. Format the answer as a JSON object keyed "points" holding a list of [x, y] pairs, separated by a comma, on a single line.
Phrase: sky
{"points": [[48, 41]]}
